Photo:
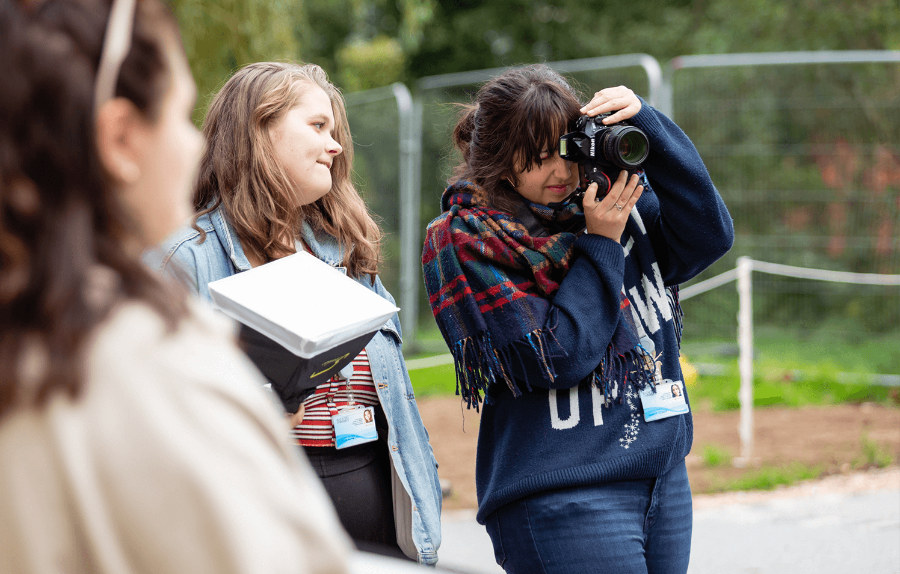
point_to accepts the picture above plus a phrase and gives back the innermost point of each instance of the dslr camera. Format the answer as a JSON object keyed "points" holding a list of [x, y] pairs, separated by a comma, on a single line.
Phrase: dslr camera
{"points": [[601, 152]]}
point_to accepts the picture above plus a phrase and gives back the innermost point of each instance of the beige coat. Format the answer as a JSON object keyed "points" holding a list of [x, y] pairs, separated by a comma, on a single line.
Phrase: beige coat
{"points": [[174, 459]]}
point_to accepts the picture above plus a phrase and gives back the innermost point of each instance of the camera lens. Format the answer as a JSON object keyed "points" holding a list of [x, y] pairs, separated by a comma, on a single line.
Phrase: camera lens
{"points": [[633, 147], [625, 146]]}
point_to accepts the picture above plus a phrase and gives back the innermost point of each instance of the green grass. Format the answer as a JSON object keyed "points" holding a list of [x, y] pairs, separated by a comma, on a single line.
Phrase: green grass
{"points": [[440, 380], [788, 370], [785, 387], [874, 455], [715, 456], [791, 372], [862, 353], [769, 478], [851, 351]]}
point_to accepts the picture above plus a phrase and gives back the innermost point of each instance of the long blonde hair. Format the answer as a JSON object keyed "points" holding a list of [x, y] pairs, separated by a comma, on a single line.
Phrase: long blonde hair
{"points": [[239, 170]]}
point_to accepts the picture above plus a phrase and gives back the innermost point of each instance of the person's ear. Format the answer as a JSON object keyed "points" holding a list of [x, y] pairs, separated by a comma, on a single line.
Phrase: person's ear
{"points": [[117, 123]]}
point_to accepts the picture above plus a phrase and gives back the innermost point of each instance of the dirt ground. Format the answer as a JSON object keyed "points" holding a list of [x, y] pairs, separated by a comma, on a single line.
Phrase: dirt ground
{"points": [[830, 437]]}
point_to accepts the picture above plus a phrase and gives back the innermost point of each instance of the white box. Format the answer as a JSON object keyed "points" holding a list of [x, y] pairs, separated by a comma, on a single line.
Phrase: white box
{"points": [[302, 303]]}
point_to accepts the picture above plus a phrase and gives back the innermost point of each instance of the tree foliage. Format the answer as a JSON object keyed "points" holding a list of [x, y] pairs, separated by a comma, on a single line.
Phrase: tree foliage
{"points": [[363, 44], [222, 36], [474, 35], [369, 43]]}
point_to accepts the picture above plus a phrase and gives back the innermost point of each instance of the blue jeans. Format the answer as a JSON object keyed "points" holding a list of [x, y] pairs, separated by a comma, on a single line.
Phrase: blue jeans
{"points": [[634, 527]]}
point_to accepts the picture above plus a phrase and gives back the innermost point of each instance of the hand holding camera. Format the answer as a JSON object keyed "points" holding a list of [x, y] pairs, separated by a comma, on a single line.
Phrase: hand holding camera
{"points": [[601, 145], [620, 103], [607, 216], [609, 154]]}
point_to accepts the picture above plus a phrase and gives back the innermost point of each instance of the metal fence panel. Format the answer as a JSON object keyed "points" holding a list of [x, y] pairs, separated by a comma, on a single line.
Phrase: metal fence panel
{"points": [[805, 150], [375, 124]]}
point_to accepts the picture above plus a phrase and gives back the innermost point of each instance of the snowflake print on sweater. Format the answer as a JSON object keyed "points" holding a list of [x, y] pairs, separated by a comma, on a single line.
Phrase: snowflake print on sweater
{"points": [[633, 426]]}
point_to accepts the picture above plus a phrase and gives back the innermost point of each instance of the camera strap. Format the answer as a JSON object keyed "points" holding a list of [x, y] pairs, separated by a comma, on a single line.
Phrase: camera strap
{"points": [[533, 225]]}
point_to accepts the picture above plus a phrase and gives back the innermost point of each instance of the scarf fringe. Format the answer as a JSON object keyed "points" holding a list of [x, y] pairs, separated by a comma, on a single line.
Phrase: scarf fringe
{"points": [[636, 366], [479, 365]]}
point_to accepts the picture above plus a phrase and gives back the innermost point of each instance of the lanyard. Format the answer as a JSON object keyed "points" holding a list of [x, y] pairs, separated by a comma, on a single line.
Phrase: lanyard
{"points": [[346, 373]]}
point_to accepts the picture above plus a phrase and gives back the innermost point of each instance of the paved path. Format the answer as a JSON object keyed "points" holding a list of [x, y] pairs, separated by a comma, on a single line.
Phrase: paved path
{"points": [[465, 544], [855, 533], [844, 524]]}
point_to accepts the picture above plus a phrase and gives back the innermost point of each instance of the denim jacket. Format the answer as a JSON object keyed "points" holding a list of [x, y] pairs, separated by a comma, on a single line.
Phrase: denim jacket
{"points": [[416, 490]]}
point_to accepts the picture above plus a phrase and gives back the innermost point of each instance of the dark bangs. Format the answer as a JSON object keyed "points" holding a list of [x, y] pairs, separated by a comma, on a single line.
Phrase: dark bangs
{"points": [[548, 111], [515, 116]]}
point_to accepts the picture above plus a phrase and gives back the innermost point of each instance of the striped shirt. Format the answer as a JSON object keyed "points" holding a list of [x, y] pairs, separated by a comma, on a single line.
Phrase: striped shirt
{"points": [[329, 398]]}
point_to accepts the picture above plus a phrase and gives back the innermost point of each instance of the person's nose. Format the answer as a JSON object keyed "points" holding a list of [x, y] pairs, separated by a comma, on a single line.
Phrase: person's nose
{"points": [[333, 147], [561, 168]]}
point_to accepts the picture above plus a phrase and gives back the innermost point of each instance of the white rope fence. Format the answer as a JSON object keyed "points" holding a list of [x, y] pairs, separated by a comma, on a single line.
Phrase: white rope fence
{"points": [[790, 271], [743, 272], [708, 284], [743, 275]]}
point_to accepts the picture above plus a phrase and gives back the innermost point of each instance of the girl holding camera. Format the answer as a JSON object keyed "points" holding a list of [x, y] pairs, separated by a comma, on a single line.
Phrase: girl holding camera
{"points": [[557, 317], [276, 179]]}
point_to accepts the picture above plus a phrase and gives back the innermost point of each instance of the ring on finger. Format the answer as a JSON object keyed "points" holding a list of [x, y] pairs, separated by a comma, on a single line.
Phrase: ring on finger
{"points": [[617, 206]]}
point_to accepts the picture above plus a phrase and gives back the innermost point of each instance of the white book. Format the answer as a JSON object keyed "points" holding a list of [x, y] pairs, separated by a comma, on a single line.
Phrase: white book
{"points": [[302, 303]]}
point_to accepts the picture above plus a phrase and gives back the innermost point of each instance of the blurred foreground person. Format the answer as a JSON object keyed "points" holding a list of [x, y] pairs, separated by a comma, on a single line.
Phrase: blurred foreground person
{"points": [[565, 314], [134, 436], [276, 180]]}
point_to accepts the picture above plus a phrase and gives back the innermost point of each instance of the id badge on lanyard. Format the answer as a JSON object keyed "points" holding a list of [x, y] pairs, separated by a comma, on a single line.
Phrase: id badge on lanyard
{"points": [[355, 424], [667, 401], [665, 397]]}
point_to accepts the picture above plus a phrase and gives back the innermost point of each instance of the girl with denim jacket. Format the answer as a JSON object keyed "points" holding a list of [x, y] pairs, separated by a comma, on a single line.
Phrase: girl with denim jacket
{"points": [[275, 179]]}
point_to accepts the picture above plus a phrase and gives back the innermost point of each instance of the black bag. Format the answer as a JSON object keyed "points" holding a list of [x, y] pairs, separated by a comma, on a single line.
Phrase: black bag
{"points": [[294, 378]]}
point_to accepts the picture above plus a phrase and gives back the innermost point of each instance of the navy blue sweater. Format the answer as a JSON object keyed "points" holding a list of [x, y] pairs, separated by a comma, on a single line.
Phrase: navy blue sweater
{"points": [[558, 437]]}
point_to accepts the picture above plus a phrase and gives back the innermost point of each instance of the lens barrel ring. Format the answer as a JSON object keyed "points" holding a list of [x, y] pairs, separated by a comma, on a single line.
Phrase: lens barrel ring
{"points": [[625, 146]]}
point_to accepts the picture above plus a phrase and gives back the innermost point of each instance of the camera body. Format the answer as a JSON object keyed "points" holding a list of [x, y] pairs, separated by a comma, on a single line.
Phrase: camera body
{"points": [[602, 151]]}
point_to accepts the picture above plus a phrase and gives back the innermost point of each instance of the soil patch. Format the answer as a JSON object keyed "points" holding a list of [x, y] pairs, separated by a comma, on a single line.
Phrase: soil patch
{"points": [[834, 438]]}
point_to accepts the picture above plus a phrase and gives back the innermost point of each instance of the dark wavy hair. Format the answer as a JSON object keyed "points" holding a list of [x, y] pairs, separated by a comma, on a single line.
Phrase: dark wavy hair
{"points": [[60, 218], [514, 118]]}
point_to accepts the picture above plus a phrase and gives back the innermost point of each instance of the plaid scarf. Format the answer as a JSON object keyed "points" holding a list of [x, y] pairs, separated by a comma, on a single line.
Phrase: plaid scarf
{"points": [[490, 284]]}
